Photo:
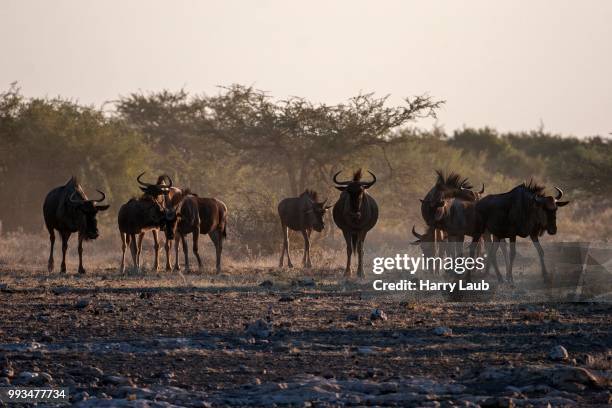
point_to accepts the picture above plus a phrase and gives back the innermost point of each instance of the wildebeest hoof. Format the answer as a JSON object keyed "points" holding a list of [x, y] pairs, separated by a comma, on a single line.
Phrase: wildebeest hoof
{"points": [[82, 271]]}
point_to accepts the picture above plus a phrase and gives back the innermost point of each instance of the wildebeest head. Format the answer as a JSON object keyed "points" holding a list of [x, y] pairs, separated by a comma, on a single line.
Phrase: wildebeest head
{"points": [[447, 187], [155, 190], [88, 210], [547, 209], [170, 221], [356, 191], [315, 210]]}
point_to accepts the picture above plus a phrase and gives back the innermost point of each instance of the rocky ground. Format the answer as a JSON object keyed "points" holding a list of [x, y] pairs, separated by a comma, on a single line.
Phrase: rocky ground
{"points": [[130, 341]]}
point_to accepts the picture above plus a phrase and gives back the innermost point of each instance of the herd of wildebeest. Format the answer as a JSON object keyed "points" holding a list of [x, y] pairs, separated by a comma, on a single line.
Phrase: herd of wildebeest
{"points": [[451, 210]]}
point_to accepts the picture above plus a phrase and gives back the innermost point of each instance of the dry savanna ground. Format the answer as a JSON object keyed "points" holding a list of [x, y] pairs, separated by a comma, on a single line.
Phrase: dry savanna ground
{"points": [[259, 335]]}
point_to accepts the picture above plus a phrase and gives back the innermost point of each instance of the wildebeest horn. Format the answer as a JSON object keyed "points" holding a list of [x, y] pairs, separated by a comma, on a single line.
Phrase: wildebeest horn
{"points": [[167, 177], [558, 197], [482, 189], [342, 183], [141, 182], [416, 234], [370, 183], [100, 199]]}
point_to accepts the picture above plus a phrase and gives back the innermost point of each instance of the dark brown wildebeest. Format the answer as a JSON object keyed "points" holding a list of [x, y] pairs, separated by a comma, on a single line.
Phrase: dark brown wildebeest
{"points": [[355, 213], [67, 210], [446, 187], [136, 217], [168, 196], [524, 211], [200, 215], [304, 213], [432, 243]]}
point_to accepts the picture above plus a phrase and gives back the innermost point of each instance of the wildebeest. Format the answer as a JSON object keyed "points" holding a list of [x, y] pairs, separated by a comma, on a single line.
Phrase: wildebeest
{"points": [[200, 215], [304, 213], [446, 187], [355, 213], [432, 242], [524, 211], [168, 196], [67, 210], [149, 212]]}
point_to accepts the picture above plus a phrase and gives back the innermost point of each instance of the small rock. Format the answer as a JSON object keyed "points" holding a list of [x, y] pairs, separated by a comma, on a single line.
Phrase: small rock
{"points": [[558, 353], [266, 284], [378, 314], [259, 329], [286, 299], [115, 380], [365, 350], [4, 382], [26, 378], [82, 303], [307, 282], [443, 331]]}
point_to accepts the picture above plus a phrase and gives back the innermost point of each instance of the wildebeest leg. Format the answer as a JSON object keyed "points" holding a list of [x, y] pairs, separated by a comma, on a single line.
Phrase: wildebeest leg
{"points": [[492, 258], [360, 241], [306, 257], [473, 245], [285, 247], [156, 249], [186, 253], [196, 240], [177, 241], [139, 249], [52, 239], [65, 238], [134, 250], [349, 252], [308, 260], [538, 246], [512, 255], [217, 239], [504, 250], [80, 250], [123, 247], [168, 248]]}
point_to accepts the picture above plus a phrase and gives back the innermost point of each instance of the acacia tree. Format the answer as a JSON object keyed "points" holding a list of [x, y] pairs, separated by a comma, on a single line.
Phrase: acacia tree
{"points": [[304, 140]]}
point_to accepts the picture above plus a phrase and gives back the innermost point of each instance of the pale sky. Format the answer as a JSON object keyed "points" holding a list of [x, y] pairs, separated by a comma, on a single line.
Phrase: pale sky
{"points": [[507, 64]]}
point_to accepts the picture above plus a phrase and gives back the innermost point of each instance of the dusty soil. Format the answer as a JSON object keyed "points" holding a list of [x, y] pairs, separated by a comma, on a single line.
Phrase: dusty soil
{"points": [[197, 340]]}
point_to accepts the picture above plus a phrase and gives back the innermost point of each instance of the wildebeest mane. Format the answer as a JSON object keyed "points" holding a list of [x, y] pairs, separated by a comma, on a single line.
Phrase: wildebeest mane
{"points": [[312, 194], [452, 181], [357, 175], [535, 188]]}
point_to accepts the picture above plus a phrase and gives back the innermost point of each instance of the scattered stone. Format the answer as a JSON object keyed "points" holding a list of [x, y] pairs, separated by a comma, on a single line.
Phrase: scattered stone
{"points": [[286, 299], [558, 353], [26, 378], [116, 380], [365, 350], [307, 282], [378, 314], [5, 382], [82, 304], [266, 284], [259, 329], [443, 331]]}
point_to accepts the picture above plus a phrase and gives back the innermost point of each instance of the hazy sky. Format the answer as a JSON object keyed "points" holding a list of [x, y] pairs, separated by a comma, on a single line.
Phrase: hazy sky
{"points": [[507, 64]]}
